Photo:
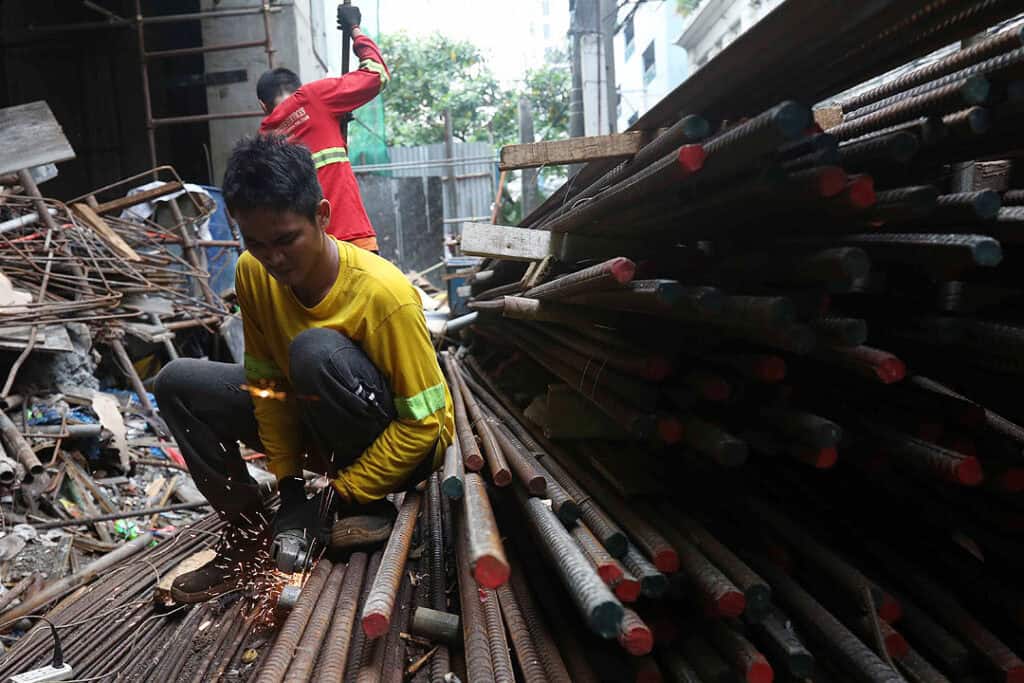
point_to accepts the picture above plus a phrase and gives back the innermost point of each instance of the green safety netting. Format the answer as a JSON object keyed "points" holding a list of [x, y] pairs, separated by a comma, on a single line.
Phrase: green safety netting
{"points": [[366, 137]]}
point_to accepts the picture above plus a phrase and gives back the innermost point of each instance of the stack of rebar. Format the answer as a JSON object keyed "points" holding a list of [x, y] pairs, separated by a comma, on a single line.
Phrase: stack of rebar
{"points": [[788, 443]]}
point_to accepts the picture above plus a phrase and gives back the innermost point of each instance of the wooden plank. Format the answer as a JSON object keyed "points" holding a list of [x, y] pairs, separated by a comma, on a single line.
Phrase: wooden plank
{"points": [[524, 244], [138, 197], [502, 241], [31, 137], [571, 150], [105, 232]]}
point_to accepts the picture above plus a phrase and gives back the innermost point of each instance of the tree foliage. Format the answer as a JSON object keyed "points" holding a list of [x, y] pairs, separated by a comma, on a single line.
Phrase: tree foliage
{"points": [[435, 73]]}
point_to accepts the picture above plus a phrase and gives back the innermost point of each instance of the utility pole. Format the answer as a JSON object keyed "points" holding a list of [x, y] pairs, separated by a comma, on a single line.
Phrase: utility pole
{"points": [[449, 153], [588, 109], [609, 22], [529, 176]]}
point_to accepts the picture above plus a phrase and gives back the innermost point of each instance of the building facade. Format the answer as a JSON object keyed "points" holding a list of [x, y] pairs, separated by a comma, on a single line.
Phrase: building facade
{"points": [[712, 24], [648, 62]]}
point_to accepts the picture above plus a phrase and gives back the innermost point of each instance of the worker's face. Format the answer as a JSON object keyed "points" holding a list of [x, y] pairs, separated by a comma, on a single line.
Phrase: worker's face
{"points": [[288, 245]]}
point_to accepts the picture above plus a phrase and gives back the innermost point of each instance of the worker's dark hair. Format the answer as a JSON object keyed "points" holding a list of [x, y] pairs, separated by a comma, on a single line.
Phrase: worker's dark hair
{"points": [[268, 172], [279, 81]]}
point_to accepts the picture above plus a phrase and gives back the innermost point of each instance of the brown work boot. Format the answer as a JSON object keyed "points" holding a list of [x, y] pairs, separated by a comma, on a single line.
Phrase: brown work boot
{"points": [[238, 550], [363, 525]]}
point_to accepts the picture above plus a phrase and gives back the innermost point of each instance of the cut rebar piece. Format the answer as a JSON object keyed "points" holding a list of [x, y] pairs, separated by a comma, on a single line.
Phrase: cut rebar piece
{"points": [[782, 644], [635, 636], [496, 463], [610, 274], [497, 644], [453, 475], [980, 205], [281, 654], [309, 646], [951, 97], [474, 629], [653, 584], [471, 456], [739, 652], [708, 664], [485, 551], [522, 638], [608, 568], [601, 611], [987, 47], [898, 147], [380, 602], [547, 650], [523, 464], [875, 364], [938, 643], [827, 631], [716, 592]]}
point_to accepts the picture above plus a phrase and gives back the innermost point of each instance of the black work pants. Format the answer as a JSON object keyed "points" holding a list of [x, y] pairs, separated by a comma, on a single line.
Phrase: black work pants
{"points": [[344, 401]]}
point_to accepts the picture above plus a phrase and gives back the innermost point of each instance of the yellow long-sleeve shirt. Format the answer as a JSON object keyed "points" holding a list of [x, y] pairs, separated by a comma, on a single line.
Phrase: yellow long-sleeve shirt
{"points": [[374, 305]]}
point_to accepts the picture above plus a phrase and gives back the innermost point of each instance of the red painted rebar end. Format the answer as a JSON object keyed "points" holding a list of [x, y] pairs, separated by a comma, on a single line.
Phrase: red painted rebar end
{"points": [[375, 625], [731, 604], [890, 610], [861, 192], [667, 561], [896, 645], [638, 641], [770, 369], [623, 270], [1012, 480], [691, 158], [1015, 675], [502, 478], [658, 368], [670, 429], [474, 462], [609, 573], [825, 458], [627, 590], [890, 370], [490, 572], [831, 181], [760, 672], [715, 389], [968, 472]]}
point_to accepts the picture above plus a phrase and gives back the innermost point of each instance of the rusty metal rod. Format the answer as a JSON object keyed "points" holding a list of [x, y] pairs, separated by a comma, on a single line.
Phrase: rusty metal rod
{"points": [[609, 274], [544, 643], [653, 584], [471, 456], [495, 458], [474, 630], [308, 647], [741, 654], [334, 656], [276, 663], [453, 473], [524, 465], [600, 609], [522, 639], [360, 651], [485, 552], [380, 602], [635, 636], [497, 643]]}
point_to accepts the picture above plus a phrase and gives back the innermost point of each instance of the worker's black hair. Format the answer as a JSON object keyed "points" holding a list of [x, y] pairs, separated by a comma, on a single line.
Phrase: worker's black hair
{"points": [[279, 81], [268, 172]]}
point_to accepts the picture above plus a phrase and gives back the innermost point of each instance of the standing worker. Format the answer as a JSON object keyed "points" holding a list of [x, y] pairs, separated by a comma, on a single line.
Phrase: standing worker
{"points": [[310, 115]]}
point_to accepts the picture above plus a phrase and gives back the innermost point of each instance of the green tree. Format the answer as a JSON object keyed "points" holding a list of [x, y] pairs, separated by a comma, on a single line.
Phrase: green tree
{"points": [[436, 73]]}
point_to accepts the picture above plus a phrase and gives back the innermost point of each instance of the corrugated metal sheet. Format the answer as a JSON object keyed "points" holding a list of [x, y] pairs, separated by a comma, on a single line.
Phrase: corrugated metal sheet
{"points": [[475, 179]]}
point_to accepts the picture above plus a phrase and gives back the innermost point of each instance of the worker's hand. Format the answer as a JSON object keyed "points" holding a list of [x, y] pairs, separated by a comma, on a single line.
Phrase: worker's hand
{"points": [[299, 512], [349, 17]]}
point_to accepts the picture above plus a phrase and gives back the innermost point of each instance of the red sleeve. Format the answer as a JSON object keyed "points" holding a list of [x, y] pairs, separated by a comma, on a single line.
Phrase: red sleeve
{"points": [[356, 88]]}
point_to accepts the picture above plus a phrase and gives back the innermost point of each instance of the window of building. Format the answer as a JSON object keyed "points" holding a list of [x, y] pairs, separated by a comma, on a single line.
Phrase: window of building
{"points": [[633, 118], [627, 34], [546, 8], [650, 71], [547, 31]]}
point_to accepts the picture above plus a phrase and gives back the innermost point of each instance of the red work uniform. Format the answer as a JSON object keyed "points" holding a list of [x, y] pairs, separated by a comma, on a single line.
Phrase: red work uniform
{"points": [[310, 116]]}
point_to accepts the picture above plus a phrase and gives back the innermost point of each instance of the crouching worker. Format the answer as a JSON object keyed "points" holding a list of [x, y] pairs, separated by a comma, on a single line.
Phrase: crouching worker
{"points": [[340, 376]]}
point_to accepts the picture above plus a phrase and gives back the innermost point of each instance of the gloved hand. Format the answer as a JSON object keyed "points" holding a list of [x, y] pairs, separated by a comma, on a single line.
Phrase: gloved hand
{"points": [[349, 17], [298, 512]]}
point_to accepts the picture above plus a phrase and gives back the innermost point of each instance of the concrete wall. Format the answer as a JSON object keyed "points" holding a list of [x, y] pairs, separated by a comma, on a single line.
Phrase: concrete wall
{"points": [[292, 33], [656, 23]]}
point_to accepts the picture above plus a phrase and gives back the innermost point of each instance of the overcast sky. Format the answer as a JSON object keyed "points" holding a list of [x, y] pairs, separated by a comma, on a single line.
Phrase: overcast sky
{"points": [[502, 30]]}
